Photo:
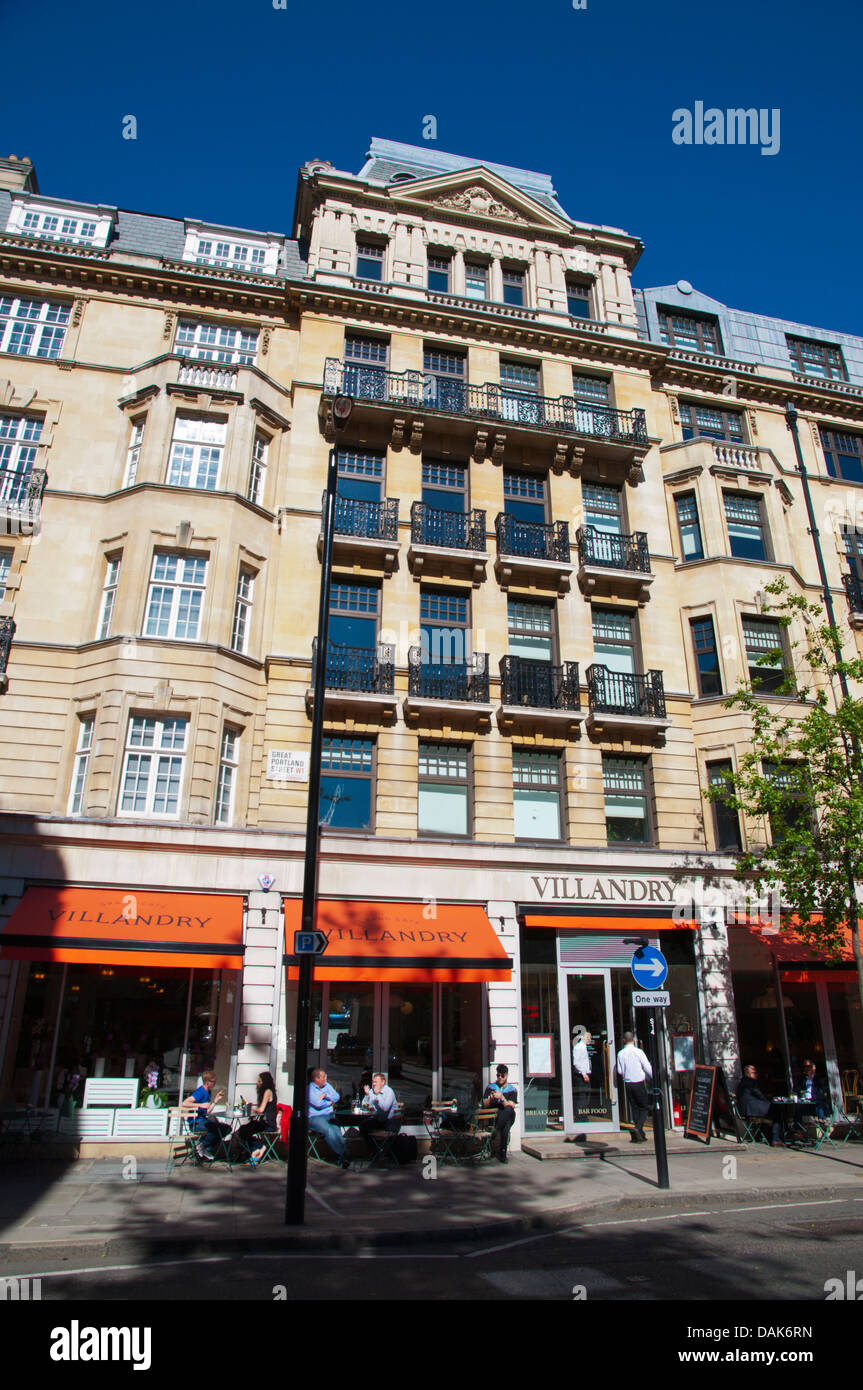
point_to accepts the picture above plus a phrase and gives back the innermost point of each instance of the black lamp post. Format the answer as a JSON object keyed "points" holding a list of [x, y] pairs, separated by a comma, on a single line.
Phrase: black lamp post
{"points": [[298, 1143]]}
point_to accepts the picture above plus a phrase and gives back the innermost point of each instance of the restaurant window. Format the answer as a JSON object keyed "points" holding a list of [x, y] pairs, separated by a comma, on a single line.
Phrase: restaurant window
{"points": [[756, 1008], [577, 298], [689, 526], [816, 359], [258, 469], [706, 422], [513, 287], [843, 454], [461, 1045], [153, 767], [690, 332], [370, 260], [475, 280], [410, 1061], [109, 595], [197, 447], [591, 388], [444, 789], [706, 656], [765, 654], [536, 793], [133, 452], [438, 273], [347, 775], [176, 596], [229, 757], [531, 629], [624, 783], [726, 821], [747, 533], [83, 749], [540, 1018]]}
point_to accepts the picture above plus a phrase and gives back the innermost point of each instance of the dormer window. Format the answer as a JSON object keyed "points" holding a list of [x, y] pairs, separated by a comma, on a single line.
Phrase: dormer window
{"points": [[816, 359], [227, 251], [54, 222], [693, 333]]}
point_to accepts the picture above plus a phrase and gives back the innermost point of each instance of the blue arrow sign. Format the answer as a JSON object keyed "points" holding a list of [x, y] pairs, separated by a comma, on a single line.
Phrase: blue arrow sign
{"points": [[649, 968], [309, 943]]}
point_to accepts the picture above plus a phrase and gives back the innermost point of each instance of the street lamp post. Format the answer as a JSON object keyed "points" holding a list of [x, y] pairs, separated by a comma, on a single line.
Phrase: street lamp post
{"points": [[298, 1142]]}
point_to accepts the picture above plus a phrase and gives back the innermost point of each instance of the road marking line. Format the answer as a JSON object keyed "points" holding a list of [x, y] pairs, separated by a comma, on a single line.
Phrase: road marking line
{"points": [[116, 1269]]}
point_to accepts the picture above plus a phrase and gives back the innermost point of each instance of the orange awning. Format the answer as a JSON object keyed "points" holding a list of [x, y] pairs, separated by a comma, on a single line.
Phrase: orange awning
{"points": [[787, 944], [130, 926], [598, 919], [402, 942]]}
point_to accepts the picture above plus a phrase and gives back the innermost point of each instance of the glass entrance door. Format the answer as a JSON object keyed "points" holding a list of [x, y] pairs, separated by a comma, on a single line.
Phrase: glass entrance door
{"points": [[587, 1025]]}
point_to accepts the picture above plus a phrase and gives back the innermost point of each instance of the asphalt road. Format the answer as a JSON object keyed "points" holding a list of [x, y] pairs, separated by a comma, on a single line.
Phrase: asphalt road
{"points": [[750, 1252]]}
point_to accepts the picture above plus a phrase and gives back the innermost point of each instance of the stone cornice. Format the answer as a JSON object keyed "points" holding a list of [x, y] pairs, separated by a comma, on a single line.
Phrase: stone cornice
{"points": [[753, 387]]}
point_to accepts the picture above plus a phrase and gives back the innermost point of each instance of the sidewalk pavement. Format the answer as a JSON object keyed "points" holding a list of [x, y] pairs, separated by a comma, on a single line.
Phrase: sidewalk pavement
{"points": [[114, 1206]]}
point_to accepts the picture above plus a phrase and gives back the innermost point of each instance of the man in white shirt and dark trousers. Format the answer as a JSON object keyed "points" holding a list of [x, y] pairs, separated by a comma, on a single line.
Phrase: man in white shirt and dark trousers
{"points": [[636, 1071]]}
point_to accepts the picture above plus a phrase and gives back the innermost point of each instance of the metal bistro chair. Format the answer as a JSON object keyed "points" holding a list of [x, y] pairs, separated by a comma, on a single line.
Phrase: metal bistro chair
{"points": [[754, 1127], [480, 1133], [446, 1143], [382, 1141]]}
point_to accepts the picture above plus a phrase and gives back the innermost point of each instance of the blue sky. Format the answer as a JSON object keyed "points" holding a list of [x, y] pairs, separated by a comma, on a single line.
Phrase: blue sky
{"points": [[230, 98]]}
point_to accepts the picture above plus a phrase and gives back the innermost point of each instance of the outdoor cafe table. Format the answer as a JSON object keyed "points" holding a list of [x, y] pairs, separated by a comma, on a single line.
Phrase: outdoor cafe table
{"points": [[790, 1113]]}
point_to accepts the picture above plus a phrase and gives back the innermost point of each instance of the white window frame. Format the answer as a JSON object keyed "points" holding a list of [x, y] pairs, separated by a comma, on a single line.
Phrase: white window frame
{"points": [[205, 341], [19, 442], [51, 319], [176, 588], [81, 765], [165, 757], [229, 250], [7, 556], [109, 595], [226, 784], [540, 780], [197, 443], [258, 468], [243, 600], [70, 222], [133, 452]]}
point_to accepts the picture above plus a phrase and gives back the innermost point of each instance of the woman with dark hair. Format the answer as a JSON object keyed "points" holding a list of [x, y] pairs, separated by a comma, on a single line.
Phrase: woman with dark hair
{"points": [[263, 1118]]}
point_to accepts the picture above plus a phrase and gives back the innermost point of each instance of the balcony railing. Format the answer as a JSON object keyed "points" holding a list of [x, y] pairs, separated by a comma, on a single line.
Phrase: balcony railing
{"points": [[538, 684], [532, 541], [372, 521], [456, 530], [618, 692], [854, 591], [424, 390], [221, 377], [612, 551], [363, 670], [21, 493], [7, 632], [465, 681]]}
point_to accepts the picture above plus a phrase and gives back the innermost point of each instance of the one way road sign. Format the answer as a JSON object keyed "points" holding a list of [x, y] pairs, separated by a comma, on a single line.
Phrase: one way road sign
{"points": [[649, 968], [309, 943]]}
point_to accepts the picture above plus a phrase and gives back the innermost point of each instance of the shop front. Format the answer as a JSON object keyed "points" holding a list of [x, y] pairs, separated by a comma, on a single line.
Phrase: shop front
{"points": [[576, 989], [401, 989], [127, 985]]}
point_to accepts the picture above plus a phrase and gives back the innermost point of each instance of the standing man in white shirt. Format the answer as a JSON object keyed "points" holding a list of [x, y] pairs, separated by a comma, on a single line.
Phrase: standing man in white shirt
{"points": [[581, 1040], [636, 1071]]}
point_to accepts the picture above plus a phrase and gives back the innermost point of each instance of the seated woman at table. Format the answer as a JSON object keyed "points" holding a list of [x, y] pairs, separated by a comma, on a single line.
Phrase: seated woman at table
{"points": [[263, 1118], [211, 1129]]}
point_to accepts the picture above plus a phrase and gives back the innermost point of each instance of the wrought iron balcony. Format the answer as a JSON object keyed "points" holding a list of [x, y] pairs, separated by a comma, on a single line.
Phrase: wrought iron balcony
{"points": [[609, 551], [532, 541], [464, 681], [453, 530], [426, 391], [364, 520], [622, 693], [361, 670], [854, 591], [7, 632], [538, 684], [21, 493]]}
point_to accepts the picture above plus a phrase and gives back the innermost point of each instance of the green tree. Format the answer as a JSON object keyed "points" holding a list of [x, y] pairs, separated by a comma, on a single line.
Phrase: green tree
{"points": [[803, 775]]}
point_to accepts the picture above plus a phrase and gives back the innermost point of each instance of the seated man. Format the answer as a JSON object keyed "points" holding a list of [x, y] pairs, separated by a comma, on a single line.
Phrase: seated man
{"points": [[321, 1098], [211, 1130], [813, 1090], [380, 1101], [504, 1095], [752, 1104]]}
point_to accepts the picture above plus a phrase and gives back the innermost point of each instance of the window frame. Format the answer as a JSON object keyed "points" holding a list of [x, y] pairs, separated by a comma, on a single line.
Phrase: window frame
{"points": [[574, 295], [460, 489], [241, 621], [108, 598], [480, 270], [359, 774], [519, 626], [517, 283], [49, 328], [199, 467], [224, 353], [702, 620], [724, 432], [631, 644], [714, 770], [519, 784], [682, 497], [178, 588], [644, 765], [81, 764], [432, 780], [228, 773], [750, 655], [835, 444], [592, 397], [705, 325], [256, 487], [156, 752], [137, 428], [796, 345], [758, 500], [443, 266], [19, 452], [7, 559], [448, 623], [374, 253]]}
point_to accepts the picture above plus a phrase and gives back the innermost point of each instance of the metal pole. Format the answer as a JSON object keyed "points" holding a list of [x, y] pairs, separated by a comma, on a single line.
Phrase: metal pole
{"points": [[298, 1142], [658, 1120], [791, 422]]}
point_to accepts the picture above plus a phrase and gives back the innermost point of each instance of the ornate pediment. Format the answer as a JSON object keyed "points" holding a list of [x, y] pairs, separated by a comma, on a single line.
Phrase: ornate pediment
{"points": [[476, 201], [478, 193]]}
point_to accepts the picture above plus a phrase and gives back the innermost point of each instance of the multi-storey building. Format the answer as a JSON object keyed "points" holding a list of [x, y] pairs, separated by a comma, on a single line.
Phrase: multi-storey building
{"points": [[541, 482]]}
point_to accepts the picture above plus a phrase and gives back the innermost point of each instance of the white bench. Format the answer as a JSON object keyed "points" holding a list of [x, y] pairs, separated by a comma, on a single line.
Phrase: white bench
{"points": [[89, 1124], [119, 1092], [140, 1124]]}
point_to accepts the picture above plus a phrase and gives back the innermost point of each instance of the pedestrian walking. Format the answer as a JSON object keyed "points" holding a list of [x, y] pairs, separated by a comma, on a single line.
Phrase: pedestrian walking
{"points": [[636, 1071]]}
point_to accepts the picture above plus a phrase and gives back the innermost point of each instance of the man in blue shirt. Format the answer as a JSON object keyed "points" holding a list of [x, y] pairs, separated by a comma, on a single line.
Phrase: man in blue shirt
{"points": [[322, 1097], [383, 1107], [505, 1096]]}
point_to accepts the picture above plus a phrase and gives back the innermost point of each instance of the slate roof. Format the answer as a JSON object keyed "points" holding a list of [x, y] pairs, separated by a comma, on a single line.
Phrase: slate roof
{"points": [[388, 157]]}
